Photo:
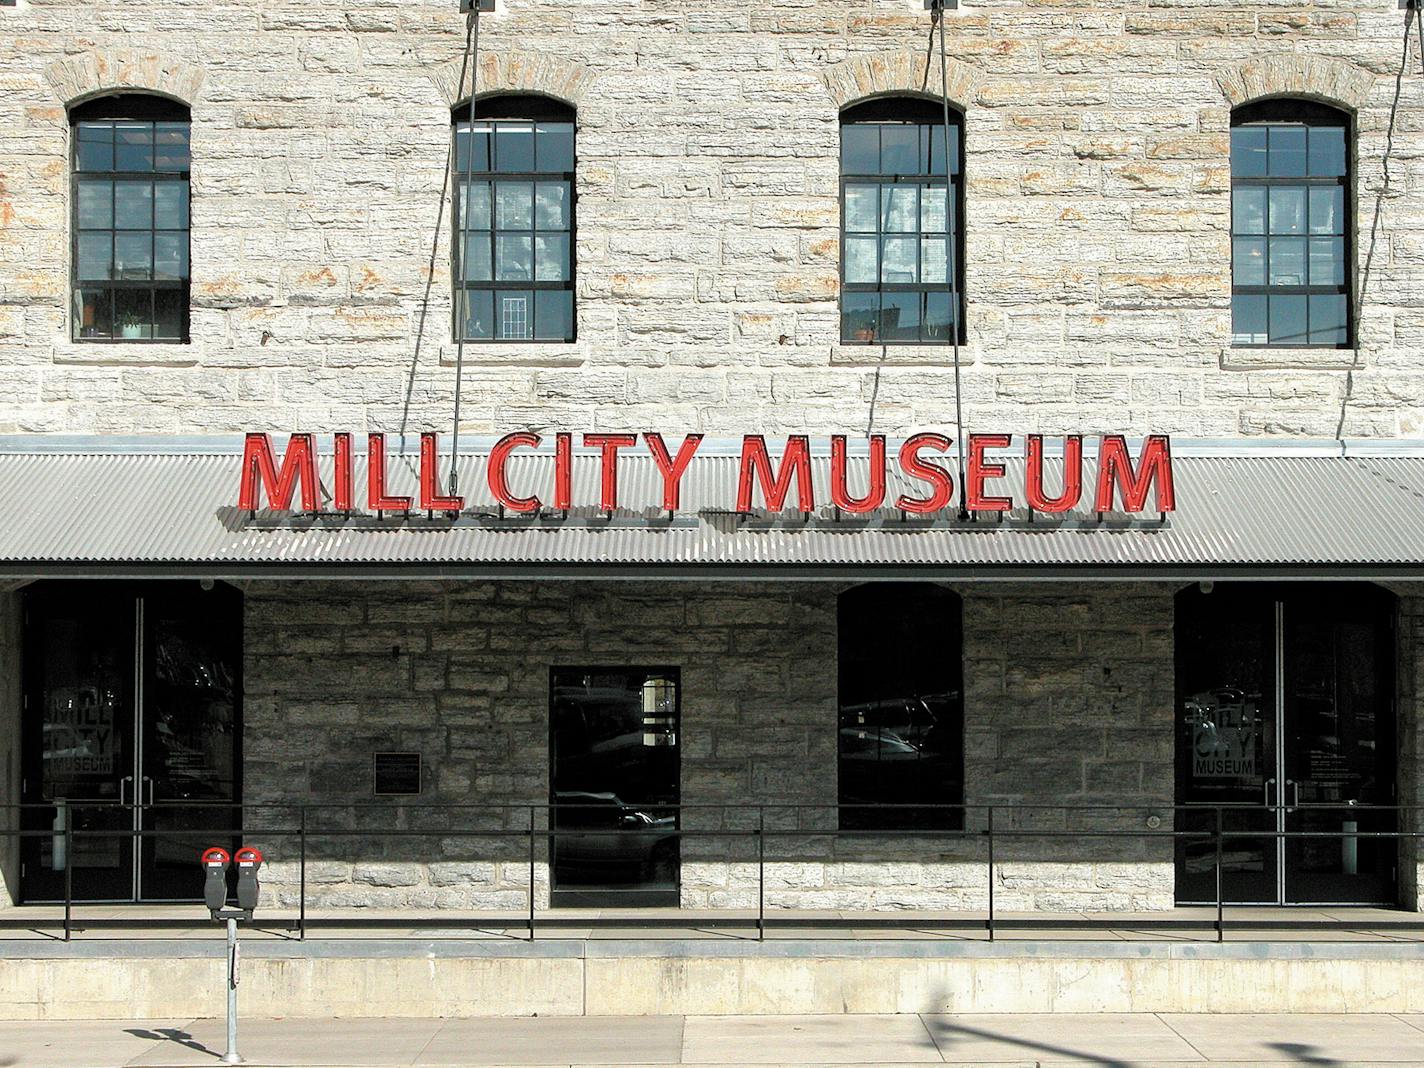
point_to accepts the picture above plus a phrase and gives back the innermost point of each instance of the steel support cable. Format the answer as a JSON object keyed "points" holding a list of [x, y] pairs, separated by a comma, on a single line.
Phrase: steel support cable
{"points": [[951, 235], [462, 201]]}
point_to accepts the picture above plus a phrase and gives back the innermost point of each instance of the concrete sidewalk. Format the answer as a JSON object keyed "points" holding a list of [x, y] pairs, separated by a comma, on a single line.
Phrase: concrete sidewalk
{"points": [[1117, 1041]]}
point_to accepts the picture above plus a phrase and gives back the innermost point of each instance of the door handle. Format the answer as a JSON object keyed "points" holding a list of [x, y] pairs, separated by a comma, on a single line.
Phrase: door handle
{"points": [[1294, 788], [123, 788], [148, 781], [1266, 792]]}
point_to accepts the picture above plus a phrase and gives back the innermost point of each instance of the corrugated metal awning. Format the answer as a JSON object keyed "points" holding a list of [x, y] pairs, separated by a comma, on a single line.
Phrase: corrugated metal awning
{"points": [[121, 507]]}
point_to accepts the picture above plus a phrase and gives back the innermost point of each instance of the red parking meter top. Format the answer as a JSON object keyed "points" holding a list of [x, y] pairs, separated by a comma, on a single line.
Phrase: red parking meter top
{"points": [[249, 855], [216, 855]]}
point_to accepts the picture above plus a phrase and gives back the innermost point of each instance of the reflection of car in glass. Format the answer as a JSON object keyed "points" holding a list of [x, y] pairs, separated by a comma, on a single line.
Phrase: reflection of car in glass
{"points": [[645, 845], [900, 751]]}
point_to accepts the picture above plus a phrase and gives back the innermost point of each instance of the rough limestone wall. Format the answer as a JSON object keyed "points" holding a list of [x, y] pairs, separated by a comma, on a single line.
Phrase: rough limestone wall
{"points": [[1098, 206], [460, 672]]}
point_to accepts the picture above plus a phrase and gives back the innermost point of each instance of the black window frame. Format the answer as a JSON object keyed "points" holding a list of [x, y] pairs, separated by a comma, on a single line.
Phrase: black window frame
{"points": [[496, 109], [130, 107], [910, 111], [871, 605], [1291, 111]]}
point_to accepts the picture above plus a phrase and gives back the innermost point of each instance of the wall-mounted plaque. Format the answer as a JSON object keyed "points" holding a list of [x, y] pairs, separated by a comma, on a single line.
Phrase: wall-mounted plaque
{"points": [[397, 774]]}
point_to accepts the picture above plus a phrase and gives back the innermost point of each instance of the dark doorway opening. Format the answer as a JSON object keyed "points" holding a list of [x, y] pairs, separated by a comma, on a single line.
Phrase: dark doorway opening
{"points": [[131, 737], [1286, 722]]}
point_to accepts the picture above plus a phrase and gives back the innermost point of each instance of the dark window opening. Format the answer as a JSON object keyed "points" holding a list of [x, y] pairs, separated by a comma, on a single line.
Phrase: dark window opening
{"points": [[1291, 219], [130, 236], [901, 723], [514, 221], [901, 237]]}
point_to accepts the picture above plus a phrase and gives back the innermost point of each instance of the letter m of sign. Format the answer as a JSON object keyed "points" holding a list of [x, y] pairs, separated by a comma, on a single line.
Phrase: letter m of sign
{"points": [[259, 466]]}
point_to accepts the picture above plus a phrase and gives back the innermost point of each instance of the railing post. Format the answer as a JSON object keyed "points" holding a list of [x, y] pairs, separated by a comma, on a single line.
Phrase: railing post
{"points": [[531, 870], [761, 873], [991, 873], [302, 874], [1220, 910], [68, 833]]}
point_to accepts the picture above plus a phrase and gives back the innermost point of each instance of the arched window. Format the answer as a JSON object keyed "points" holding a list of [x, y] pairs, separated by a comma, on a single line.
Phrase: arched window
{"points": [[130, 158], [901, 237], [514, 269], [1291, 251], [901, 723]]}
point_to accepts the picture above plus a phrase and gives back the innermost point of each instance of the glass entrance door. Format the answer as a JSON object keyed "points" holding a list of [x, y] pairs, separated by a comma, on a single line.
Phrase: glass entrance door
{"points": [[615, 786], [132, 706], [1285, 723]]}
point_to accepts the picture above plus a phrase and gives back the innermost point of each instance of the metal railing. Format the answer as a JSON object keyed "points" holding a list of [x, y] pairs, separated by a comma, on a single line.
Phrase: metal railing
{"points": [[307, 829]]}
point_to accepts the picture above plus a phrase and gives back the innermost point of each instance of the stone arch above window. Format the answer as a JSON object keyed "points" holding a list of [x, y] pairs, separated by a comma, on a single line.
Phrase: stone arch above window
{"points": [[900, 73], [117, 70], [514, 72], [1331, 81]]}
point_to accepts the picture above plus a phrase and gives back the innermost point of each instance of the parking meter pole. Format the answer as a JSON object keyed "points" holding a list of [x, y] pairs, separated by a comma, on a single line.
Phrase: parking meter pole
{"points": [[231, 1056]]}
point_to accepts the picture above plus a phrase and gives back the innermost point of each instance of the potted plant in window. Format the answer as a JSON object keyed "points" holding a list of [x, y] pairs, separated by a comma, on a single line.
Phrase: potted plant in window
{"points": [[130, 325]]}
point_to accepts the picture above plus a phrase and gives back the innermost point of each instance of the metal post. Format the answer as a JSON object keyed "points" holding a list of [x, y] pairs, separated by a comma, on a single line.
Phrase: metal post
{"points": [[991, 873], [531, 868], [761, 873], [69, 876], [231, 1056], [1220, 924], [302, 874]]}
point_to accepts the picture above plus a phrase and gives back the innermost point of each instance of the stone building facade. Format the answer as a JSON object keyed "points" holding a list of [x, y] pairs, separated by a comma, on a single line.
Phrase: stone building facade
{"points": [[1097, 290]]}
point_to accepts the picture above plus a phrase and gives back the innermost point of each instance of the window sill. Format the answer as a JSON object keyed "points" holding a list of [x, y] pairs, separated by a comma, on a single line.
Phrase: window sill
{"points": [[517, 354], [127, 353], [1288, 359], [862, 354]]}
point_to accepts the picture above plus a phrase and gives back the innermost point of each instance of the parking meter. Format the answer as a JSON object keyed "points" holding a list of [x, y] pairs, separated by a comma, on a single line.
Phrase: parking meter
{"points": [[215, 864], [248, 860]]}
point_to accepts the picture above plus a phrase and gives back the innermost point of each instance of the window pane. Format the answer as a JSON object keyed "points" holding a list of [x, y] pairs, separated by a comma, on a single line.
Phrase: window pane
{"points": [[939, 316], [96, 205], [860, 148], [898, 260], [934, 135], [899, 149], [554, 315], [1287, 151], [551, 257], [94, 256], [133, 205], [1248, 261], [93, 313], [1287, 209], [168, 315], [1248, 210], [96, 146], [900, 209], [1328, 318], [1248, 319], [934, 261], [1327, 151], [900, 315], [1248, 152], [481, 162], [170, 255], [475, 207], [1287, 261], [479, 314], [1287, 316], [514, 146], [516, 315], [133, 313], [861, 208], [859, 314], [479, 259], [170, 146], [170, 205], [551, 206], [934, 213], [1327, 261], [133, 256], [514, 255], [133, 146], [1327, 210], [514, 205], [555, 148], [860, 261]]}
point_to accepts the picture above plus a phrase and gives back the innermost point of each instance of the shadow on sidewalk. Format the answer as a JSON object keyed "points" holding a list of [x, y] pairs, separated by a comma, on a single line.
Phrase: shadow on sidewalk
{"points": [[171, 1034]]}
